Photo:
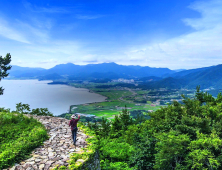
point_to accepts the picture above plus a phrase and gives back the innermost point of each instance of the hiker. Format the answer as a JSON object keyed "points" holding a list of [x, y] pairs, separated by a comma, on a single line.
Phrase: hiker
{"points": [[73, 124]]}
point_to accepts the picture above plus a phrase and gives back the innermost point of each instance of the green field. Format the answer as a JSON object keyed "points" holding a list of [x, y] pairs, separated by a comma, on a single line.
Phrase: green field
{"points": [[117, 99]]}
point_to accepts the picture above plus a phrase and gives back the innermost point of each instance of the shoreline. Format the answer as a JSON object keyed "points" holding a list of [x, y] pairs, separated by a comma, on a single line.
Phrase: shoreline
{"points": [[59, 106], [90, 91]]}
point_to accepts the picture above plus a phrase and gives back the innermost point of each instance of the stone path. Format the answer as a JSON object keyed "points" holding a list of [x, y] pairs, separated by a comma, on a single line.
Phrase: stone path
{"points": [[57, 149]]}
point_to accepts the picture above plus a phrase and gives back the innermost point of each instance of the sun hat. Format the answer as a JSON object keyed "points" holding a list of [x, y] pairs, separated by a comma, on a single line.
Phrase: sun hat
{"points": [[73, 116]]}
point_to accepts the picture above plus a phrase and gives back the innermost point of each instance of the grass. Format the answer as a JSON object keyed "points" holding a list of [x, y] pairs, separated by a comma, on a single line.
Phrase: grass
{"points": [[111, 108], [114, 94], [142, 92], [117, 98], [19, 135]]}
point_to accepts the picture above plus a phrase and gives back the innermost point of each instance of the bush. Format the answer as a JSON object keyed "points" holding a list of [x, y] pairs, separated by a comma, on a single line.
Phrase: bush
{"points": [[179, 136], [25, 109], [19, 135]]}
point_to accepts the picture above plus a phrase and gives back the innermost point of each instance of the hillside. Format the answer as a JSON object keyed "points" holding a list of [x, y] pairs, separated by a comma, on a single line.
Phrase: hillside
{"points": [[28, 137], [24, 72], [169, 82], [147, 77], [206, 77], [104, 70], [179, 136], [20, 139]]}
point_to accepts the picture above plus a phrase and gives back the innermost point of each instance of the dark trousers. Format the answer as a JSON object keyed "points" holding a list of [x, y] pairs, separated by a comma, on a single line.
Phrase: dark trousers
{"points": [[74, 133]]}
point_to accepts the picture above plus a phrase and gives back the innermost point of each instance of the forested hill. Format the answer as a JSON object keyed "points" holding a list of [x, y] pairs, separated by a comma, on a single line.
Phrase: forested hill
{"points": [[104, 70], [179, 136], [207, 77], [147, 77]]}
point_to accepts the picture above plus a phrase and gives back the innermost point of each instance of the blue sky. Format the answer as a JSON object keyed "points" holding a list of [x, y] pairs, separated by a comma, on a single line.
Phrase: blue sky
{"points": [[167, 33]]}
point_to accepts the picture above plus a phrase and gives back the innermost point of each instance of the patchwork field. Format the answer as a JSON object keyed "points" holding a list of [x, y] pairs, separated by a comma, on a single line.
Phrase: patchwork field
{"points": [[117, 99]]}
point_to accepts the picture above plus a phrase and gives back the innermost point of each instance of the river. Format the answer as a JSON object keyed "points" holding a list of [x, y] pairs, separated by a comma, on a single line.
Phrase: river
{"points": [[38, 94]]}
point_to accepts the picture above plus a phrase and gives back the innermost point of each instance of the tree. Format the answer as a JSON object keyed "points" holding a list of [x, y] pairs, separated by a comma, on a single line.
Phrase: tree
{"points": [[4, 67], [22, 108]]}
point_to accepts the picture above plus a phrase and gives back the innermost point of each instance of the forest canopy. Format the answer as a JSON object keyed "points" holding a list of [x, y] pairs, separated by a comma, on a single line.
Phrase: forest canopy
{"points": [[179, 136]]}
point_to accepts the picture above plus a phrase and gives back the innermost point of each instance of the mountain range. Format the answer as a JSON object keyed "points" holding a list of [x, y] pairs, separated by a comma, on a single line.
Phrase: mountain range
{"points": [[104, 70], [206, 77]]}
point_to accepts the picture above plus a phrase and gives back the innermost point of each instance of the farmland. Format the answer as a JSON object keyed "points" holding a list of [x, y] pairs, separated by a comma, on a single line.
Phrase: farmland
{"points": [[118, 97]]}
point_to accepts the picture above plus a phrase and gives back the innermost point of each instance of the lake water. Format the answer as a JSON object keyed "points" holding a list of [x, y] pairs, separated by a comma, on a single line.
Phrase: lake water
{"points": [[38, 94]]}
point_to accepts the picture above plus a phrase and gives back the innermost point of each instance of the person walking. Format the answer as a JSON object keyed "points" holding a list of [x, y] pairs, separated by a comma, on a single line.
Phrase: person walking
{"points": [[73, 124]]}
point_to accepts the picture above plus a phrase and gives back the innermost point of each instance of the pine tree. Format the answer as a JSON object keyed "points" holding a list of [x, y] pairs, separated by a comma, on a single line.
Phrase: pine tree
{"points": [[4, 67]]}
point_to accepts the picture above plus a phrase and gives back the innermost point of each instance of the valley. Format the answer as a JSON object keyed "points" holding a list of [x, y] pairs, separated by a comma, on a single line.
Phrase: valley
{"points": [[118, 97]]}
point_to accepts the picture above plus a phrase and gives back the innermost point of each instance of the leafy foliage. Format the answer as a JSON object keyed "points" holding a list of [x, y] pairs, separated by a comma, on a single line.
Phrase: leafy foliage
{"points": [[4, 67], [88, 153], [19, 135], [25, 109], [178, 137]]}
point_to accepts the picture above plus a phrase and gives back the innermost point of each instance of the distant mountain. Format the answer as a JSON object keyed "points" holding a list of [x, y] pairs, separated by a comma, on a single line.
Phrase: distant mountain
{"points": [[120, 71], [179, 70], [169, 82], [186, 72], [65, 69], [206, 77], [147, 77], [52, 76], [25, 72], [104, 70]]}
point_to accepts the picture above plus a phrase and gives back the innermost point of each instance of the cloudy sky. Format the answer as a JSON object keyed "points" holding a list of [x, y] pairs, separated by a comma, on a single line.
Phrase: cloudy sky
{"points": [[168, 33]]}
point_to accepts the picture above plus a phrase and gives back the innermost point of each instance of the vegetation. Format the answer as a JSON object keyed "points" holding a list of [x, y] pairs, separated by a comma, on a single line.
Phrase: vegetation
{"points": [[118, 97], [116, 100], [19, 135], [25, 109], [4, 67], [179, 136]]}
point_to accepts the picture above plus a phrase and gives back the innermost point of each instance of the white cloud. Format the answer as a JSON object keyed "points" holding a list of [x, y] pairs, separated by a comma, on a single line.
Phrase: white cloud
{"points": [[22, 32], [8, 32], [202, 47]]}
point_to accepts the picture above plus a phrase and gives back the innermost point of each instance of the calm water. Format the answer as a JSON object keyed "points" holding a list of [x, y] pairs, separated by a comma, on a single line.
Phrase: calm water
{"points": [[38, 94]]}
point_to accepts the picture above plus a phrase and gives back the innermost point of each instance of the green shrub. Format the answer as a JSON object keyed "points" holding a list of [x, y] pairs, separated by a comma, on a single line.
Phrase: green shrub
{"points": [[115, 149], [179, 136], [19, 135], [25, 109], [87, 153]]}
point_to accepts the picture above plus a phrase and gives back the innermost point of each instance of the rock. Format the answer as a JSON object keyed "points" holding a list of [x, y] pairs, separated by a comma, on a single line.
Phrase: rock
{"points": [[35, 167], [41, 166], [51, 154], [49, 162], [34, 156], [37, 160], [13, 168], [26, 166], [31, 163], [47, 166], [19, 168], [56, 159]]}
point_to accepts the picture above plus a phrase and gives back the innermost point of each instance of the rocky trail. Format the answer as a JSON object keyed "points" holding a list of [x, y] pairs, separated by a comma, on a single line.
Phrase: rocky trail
{"points": [[57, 149]]}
